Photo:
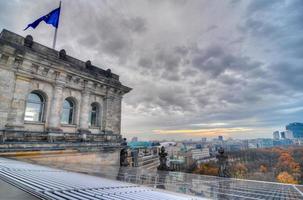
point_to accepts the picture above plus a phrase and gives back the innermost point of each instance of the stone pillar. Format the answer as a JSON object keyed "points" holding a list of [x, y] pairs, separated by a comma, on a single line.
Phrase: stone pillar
{"points": [[55, 108], [84, 111], [104, 114], [118, 114], [16, 114], [112, 118], [108, 111]]}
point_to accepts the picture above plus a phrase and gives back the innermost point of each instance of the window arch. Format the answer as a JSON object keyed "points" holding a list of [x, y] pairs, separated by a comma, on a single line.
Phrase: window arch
{"points": [[34, 110], [94, 115], [68, 111]]}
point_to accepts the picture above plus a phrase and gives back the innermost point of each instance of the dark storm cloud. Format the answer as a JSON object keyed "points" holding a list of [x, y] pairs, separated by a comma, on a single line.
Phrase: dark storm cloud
{"points": [[267, 20], [4, 17], [294, 46], [212, 27], [109, 31], [290, 74], [165, 99], [165, 61], [216, 60], [188, 62], [181, 50], [115, 35], [188, 72], [145, 62], [260, 5], [136, 24], [260, 28]]}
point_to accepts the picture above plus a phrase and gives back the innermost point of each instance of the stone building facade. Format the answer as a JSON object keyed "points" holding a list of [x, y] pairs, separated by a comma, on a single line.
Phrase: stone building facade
{"points": [[46, 95]]}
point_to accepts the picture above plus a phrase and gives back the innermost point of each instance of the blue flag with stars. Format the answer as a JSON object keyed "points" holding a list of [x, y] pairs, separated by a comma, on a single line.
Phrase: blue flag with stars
{"points": [[51, 18]]}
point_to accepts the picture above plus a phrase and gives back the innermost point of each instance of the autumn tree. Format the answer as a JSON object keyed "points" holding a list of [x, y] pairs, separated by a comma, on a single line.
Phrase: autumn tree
{"points": [[287, 163], [263, 169], [207, 169], [240, 170], [285, 177]]}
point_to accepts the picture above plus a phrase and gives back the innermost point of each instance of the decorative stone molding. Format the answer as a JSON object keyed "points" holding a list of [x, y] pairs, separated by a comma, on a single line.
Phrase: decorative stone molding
{"points": [[18, 61]]}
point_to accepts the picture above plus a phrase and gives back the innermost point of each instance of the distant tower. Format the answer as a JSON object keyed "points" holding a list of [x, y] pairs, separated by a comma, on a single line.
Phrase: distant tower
{"points": [[296, 128], [283, 135], [289, 134], [276, 135], [220, 138], [135, 139]]}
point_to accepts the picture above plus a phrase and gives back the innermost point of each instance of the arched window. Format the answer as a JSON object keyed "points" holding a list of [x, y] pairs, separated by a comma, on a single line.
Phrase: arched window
{"points": [[34, 107], [94, 115], [68, 110]]}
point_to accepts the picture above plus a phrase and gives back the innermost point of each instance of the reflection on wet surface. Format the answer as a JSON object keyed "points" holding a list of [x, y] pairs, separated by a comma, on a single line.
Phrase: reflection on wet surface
{"points": [[199, 185]]}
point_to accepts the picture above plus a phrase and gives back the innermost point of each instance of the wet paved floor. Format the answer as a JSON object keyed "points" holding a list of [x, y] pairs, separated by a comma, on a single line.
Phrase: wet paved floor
{"points": [[193, 184], [56, 184], [10, 192]]}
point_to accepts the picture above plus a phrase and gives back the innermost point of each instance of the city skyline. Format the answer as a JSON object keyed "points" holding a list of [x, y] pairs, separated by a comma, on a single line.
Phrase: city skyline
{"points": [[276, 135], [193, 75]]}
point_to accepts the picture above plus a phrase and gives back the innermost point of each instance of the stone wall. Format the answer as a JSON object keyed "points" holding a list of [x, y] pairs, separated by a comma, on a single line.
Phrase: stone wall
{"points": [[101, 158], [26, 67], [7, 82], [89, 162]]}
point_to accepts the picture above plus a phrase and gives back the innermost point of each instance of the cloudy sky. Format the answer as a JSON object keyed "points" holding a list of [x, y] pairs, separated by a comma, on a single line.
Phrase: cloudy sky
{"points": [[198, 68]]}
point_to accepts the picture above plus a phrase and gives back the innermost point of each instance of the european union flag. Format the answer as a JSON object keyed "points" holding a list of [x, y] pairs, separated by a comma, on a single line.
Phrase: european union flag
{"points": [[51, 18]]}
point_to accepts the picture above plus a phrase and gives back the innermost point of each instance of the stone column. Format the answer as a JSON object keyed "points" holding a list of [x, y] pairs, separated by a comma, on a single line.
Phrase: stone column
{"points": [[104, 114], [16, 114], [84, 111], [55, 108], [108, 111], [117, 114], [112, 112]]}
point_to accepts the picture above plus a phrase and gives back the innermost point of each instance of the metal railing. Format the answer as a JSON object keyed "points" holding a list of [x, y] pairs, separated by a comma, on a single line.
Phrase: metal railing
{"points": [[49, 183]]}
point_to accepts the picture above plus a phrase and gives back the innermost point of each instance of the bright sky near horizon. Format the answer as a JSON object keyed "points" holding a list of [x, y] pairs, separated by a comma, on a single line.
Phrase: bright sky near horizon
{"points": [[198, 68]]}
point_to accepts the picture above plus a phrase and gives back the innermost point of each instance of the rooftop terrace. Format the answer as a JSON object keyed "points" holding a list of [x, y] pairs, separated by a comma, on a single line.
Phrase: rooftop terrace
{"points": [[191, 184], [49, 183]]}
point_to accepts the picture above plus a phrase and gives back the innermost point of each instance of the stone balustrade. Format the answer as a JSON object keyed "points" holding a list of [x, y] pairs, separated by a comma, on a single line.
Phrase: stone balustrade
{"points": [[10, 136]]}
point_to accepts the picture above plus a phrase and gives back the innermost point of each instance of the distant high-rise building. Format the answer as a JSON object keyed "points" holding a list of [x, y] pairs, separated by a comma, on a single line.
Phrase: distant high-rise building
{"points": [[289, 134], [220, 138], [276, 135], [296, 129], [265, 143], [203, 139], [198, 154], [282, 135], [135, 139]]}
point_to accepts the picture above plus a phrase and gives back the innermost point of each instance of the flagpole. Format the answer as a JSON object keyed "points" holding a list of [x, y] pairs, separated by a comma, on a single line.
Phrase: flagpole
{"points": [[56, 30]]}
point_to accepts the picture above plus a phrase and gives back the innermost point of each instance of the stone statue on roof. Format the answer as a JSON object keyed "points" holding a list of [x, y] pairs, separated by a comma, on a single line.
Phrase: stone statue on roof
{"points": [[223, 163], [124, 154], [163, 159]]}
